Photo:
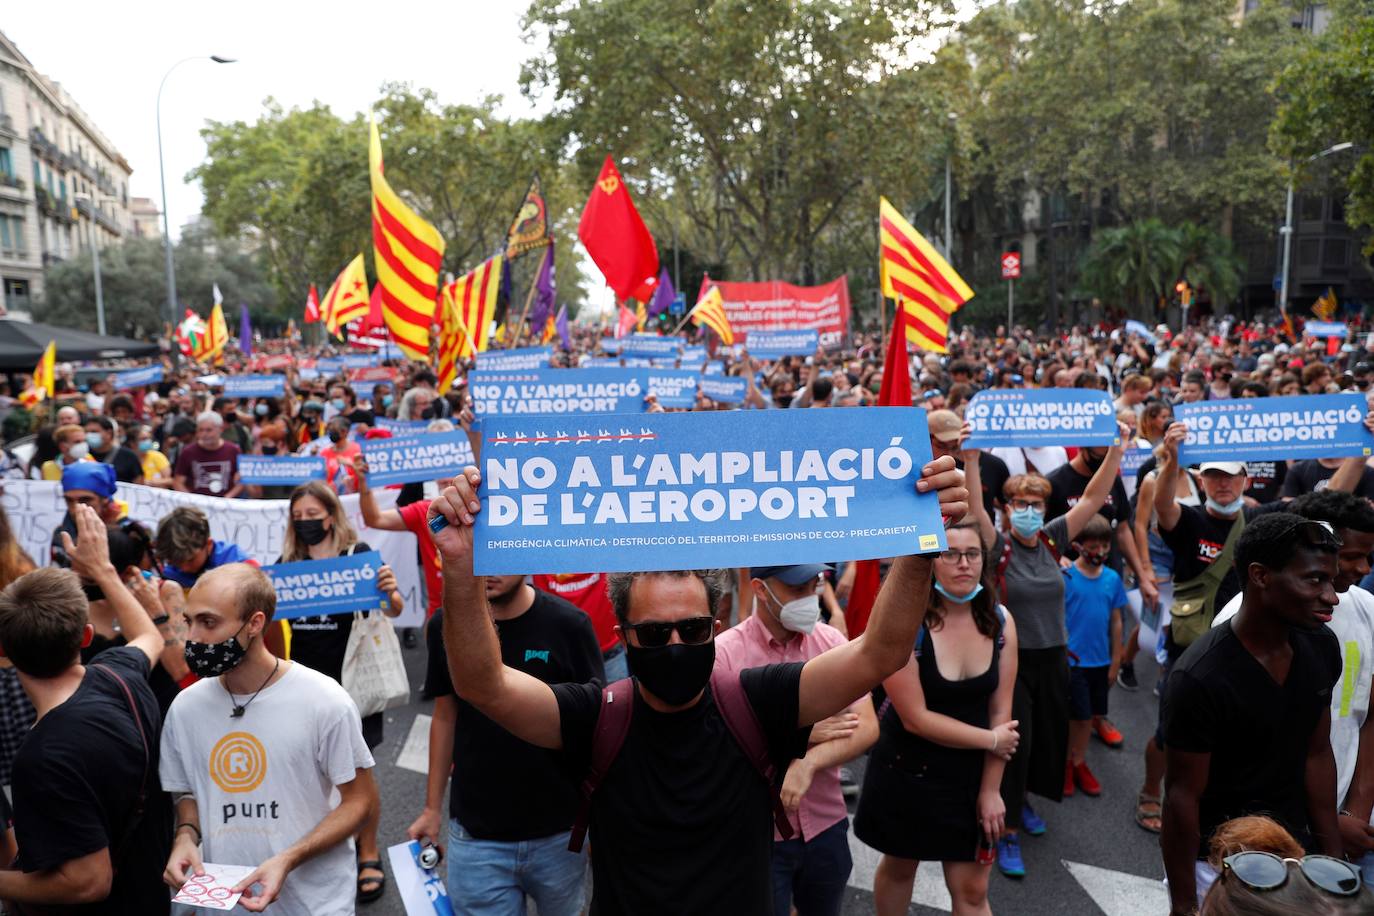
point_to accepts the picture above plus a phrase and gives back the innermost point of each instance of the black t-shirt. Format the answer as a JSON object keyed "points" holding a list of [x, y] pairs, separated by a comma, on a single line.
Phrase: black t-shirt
{"points": [[1221, 701], [1068, 486], [503, 788], [126, 464], [1309, 475], [320, 641], [1266, 480], [75, 787], [164, 688], [1198, 539], [682, 824], [993, 473]]}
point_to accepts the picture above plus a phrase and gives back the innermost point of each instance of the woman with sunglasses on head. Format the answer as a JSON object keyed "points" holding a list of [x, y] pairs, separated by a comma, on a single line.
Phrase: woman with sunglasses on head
{"points": [[1264, 872], [931, 791]]}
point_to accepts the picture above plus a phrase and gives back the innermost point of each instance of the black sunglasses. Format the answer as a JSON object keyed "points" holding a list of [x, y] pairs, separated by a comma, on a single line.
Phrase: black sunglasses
{"points": [[1264, 871], [655, 634]]}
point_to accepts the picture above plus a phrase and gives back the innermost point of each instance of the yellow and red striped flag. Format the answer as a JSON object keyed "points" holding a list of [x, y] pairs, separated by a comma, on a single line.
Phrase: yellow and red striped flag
{"points": [[641, 316], [710, 311], [43, 378], [407, 253], [210, 347], [347, 297], [475, 295], [921, 281], [453, 339]]}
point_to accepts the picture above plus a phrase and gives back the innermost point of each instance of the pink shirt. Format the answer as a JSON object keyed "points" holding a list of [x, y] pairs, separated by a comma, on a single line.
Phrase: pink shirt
{"points": [[750, 645]]}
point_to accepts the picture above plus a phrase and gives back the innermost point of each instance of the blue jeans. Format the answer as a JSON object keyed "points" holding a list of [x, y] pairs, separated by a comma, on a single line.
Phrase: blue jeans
{"points": [[617, 664], [493, 878], [811, 875], [1367, 868]]}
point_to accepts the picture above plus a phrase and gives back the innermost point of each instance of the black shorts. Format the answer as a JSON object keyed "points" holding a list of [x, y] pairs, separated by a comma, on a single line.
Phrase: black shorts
{"points": [[1087, 693]]}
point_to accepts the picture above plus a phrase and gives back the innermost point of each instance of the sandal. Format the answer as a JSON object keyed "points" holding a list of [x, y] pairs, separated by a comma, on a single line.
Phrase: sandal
{"points": [[377, 885], [1148, 812]]}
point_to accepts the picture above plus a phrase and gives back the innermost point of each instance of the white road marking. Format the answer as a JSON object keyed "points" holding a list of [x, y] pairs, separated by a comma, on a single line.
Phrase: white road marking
{"points": [[1118, 893], [930, 887], [414, 754]]}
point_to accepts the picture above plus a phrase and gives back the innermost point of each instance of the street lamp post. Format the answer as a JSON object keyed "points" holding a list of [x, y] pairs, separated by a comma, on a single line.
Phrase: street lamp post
{"points": [[166, 218], [949, 213], [1287, 230], [95, 268]]}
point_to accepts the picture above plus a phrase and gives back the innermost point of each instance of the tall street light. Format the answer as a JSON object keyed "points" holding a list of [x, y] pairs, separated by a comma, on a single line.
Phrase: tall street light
{"points": [[949, 217], [162, 173], [1287, 229], [95, 261]]}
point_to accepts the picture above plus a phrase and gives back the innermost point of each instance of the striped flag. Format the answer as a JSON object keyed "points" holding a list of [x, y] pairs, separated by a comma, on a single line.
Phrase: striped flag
{"points": [[43, 378], [347, 298], [641, 316], [453, 340], [922, 282], [209, 347], [475, 295], [407, 253], [710, 311]]}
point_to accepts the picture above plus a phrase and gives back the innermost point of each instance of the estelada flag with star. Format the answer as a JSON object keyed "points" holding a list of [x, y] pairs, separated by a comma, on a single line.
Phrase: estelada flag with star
{"points": [[347, 297], [617, 239]]}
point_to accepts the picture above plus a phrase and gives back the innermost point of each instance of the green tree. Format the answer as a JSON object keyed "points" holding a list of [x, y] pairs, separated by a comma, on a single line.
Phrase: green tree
{"points": [[1209, 264], [1133, 265]]}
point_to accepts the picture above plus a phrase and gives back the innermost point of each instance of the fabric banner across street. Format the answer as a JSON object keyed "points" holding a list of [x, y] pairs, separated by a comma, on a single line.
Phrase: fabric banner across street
{"points": [[777, 306]]}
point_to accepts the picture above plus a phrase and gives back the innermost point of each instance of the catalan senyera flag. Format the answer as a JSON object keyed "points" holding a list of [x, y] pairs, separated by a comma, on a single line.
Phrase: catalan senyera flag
{"points": [[407, 253], [210, 346], [347, 297], [44, 380], [474, 296], [710, 311], [453, 340], [919, 278], [1326, 305], [641, 316]]}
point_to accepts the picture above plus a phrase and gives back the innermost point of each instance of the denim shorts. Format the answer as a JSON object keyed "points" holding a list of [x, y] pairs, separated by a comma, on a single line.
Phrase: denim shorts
{"points": [[495, 877]]}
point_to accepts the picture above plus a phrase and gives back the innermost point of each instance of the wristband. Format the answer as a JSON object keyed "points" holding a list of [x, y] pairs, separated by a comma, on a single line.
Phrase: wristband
{"points": [[190, 678], [192, 826]]}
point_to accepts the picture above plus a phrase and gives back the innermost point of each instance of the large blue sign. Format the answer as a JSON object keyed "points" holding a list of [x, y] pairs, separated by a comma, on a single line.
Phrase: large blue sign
{"points": [[724, 389], [254, 386], [664, 491], [1031, 418], [320, 587], [650, 345], [777, 344], [137, 378], [674, 387], [279, 470], [1325, 329], [522, 358], [416, 458], [1268, 429], [557, 391]]}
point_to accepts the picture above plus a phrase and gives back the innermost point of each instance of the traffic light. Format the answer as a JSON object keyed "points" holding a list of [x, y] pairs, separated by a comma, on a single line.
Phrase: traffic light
{"points": [[1185, 293]]}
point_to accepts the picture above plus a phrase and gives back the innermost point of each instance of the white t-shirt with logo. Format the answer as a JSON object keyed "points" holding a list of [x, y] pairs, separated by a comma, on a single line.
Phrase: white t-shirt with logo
{"points": [[1352, 620], [264, 781]]}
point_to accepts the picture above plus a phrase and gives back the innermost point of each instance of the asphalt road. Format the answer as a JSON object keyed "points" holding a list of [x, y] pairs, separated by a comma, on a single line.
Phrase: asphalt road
{"points": [[1093, 859]]}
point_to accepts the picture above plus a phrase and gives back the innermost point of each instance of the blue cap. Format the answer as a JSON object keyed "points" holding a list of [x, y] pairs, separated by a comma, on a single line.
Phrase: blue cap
{"points": [[95, 476], [789, 575]]}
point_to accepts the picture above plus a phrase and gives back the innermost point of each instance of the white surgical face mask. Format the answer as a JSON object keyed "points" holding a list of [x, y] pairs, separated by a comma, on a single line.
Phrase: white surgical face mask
{"points": [[800, 614], [78, 451]]}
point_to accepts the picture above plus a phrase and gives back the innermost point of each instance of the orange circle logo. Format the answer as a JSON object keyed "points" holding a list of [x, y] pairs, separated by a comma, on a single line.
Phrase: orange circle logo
{"points": [[238, 762]]}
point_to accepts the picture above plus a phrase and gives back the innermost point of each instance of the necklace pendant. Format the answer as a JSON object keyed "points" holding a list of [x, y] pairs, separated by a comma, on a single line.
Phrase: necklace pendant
{"points": [[238, 712]]}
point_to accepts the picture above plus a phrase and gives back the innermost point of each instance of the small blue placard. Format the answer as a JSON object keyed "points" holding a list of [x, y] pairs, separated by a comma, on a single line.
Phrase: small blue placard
{"points": [[674, 387], [313, 588], [254, 386], [403, 427], [330, 364], [363, 389], [1133, 458], [692, 357], [416, 458], [650, 346], [279, 470], [655, 492], [724, 389], [361, 360], [1325, 329], [137, 378], [1031, 418], [522, 358], [545, 392], [777, 344], [1272, 429]]}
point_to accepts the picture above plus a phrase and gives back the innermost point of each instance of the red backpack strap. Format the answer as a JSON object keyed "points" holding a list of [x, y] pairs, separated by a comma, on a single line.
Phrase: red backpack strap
{"points": [[1000, 577], [1050, 545], [744, 725], [612, 725]]}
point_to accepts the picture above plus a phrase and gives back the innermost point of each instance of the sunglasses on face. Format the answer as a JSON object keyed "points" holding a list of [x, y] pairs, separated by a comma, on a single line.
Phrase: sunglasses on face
{"points": [[693, 631], [1264, 871]]}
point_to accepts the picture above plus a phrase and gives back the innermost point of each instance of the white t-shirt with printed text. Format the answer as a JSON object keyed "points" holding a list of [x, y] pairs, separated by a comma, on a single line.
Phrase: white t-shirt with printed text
{"points": [[264, 781]]}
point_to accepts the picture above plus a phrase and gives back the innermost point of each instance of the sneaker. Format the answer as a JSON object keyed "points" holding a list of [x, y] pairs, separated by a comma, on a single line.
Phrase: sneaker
{"points": [[848, 787], [1125, 678], [1031, 822], [1068, 780], [1086, 780], [1107, 733], [1009, 856]]}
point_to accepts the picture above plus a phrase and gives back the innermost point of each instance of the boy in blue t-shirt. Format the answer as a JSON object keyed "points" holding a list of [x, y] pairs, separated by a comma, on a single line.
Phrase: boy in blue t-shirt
{"points": [[1094, 606]]}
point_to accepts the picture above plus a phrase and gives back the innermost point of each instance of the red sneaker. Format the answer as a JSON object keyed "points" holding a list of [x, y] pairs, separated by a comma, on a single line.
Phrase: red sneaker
{"points": [[1086, 780], [1107, 733], [1068, 779]]}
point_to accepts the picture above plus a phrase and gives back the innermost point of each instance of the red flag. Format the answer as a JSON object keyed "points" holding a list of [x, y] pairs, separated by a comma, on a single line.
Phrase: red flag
{"points": [[617, 239], [627, 321], [895, 392], [373, 319], [312, 305]]}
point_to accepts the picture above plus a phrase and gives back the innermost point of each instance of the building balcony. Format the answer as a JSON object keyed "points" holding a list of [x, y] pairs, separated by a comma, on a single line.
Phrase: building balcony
{"points": [[44, 147], [7, 125], [11, 182]]}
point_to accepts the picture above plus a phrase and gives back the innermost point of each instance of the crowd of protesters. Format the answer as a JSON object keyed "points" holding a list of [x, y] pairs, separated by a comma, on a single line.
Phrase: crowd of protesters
{"points": [[142, 663]]}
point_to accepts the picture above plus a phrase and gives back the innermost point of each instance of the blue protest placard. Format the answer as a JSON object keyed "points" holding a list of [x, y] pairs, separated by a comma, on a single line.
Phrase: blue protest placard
{"points": [[611, 344], [557, 391], [254, 386], [777, 344], [1325, 329], [363, 389], [319, 587], [674, 387], [330, 364], [137, 378], [652, 492], [1030, 418], [403, 427], [600, 362], [1270, 429], [692, 357], [723, 389], [307, 375], [1141, 329], [650, 345], [407, 459], [1133, 458], [361, 360], [279, 470], [522, 358]]}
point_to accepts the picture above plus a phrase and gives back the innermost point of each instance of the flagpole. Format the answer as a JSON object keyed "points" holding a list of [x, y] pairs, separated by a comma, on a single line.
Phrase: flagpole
{"points": [[529, 300], [681, 324]]}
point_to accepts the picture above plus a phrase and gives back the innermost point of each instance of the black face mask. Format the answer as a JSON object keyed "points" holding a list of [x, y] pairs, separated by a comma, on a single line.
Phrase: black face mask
{"points": [[230, 419], [673, 673], [337, 435], [269, 449], [309, 531]]}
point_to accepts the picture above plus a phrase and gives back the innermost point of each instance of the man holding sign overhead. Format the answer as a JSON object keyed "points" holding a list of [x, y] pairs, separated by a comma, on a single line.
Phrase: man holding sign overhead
{"points": [[686, 808]]}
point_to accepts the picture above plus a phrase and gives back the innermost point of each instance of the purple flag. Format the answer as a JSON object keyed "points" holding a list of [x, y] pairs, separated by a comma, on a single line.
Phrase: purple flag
{"points": [[544, 294], [561, 323], [663, 295], [245, 331]]}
